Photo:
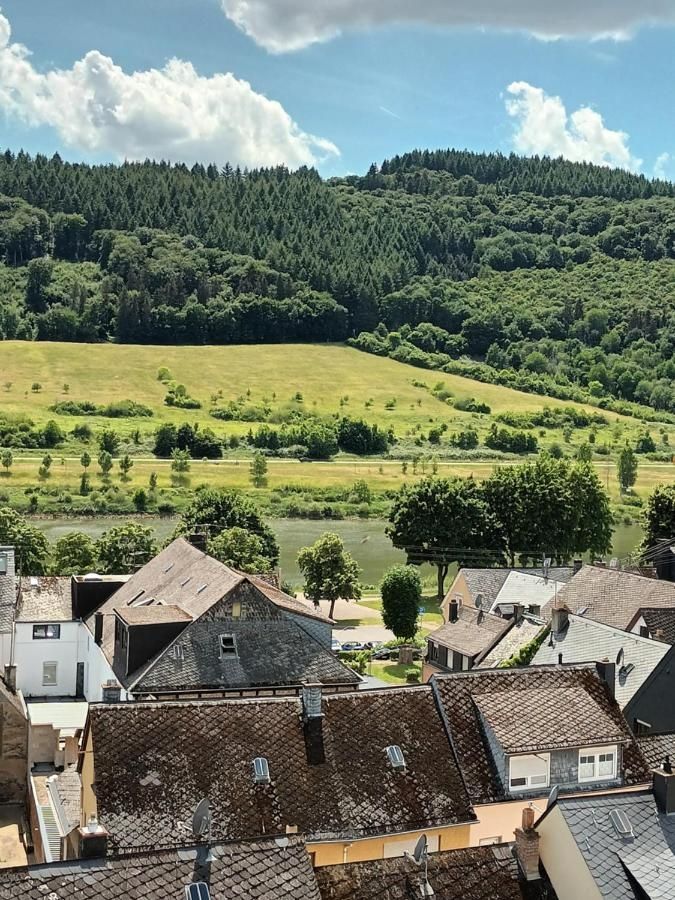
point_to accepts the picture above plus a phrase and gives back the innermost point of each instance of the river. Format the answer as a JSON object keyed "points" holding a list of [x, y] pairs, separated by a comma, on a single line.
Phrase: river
{"points": [[364, 538]]}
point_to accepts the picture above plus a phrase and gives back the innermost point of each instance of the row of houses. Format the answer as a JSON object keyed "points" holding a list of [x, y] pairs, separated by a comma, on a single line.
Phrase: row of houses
{"points": [[199, 739]]}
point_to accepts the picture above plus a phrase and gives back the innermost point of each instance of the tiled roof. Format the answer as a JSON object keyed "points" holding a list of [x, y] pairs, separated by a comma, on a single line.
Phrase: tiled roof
{"points": [[585, 640], [68, 787], [274, 652], [614, 596], [521, 633], [183, 576], [660, 622], [8, 585], [261, 870], [473, 633], [526, 686], [656, 747], [154, 614], [45, 598], [536, 725], [489, 582], [528, 589], [648, 854], [476, 873], [155, 761]]}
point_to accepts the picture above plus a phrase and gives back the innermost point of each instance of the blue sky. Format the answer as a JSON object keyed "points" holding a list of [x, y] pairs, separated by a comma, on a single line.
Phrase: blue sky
{"points": [[346, 100]]}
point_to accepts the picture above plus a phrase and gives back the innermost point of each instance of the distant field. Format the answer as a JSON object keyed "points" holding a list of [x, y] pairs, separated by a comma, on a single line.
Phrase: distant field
{"points": [[330, 379]]}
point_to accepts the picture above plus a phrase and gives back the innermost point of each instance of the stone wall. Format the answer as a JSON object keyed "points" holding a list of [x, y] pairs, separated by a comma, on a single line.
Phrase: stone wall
{"points": [[13, 749]]}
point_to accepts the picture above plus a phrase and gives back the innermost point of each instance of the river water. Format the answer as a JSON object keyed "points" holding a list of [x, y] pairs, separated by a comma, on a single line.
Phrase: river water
{"points": [[364, 538]]}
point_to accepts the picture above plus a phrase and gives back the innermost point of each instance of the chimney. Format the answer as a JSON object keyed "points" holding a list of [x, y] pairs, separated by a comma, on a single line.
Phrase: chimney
{"points": [[93, 840], [560, 659], [312, 724], [453, 610], [607, 672], [98, 628], [559, 619], [10, 678], [600, 563], [111, 692], [527, 846], [577, 565], [517, 612], [664, 787], [198, 540]]}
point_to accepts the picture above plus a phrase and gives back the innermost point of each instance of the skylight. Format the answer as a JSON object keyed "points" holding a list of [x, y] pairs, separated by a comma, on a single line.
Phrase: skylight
{"points": [[396, 757], [261, 770], [197, 891], [621, 823]]}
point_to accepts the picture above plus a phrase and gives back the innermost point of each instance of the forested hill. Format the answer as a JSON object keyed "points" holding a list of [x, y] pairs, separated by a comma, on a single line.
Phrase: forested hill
{"points": [[556, 276]]}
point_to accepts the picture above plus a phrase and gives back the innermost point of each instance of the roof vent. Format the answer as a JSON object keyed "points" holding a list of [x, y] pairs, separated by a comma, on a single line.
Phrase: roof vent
{"points": [[184, 582], [197, 891], [582, 611], [34, 582], [396, 757], [202, 587], [92, 576], [169, 568], [261, 770], [621, 823], [479, 617]]}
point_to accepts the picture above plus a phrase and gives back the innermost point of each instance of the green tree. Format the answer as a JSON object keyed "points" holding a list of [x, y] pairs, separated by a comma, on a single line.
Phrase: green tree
{"points": [[74, 554], [330, 572], [401, 591], [105, 463], [443, 521], [219, 510], [240, 549], [85, 484], [109, 441], [125, 548], [180, 461], [85, 460], [659, 516], [140, 500], [125, 465], [584, 453], [7, 459], [152, 481], [627, 469], [30, 544], [258, 470], [36, 387]]}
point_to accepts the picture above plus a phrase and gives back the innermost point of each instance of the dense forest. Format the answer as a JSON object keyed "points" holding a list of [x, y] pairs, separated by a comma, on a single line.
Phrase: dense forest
{"points": [[551, 276]]}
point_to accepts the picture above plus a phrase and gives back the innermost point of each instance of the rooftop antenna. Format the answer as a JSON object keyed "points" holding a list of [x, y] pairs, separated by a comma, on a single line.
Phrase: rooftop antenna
{"points": [[201, 826], [420, 857]]}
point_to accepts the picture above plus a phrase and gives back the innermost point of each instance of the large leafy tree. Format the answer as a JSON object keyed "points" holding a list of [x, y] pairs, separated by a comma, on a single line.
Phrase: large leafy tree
{"points": [[240, 549], [74, 554], [401, 591], [444, 521], [627, 468], [659, 516], [30, 545], [125, 548], [219, 510], [330, 572]]}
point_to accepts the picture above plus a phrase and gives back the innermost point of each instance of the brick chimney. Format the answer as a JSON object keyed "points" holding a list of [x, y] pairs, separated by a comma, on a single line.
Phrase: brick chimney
{"points": [[98, 628], [93, 840], [111, 692], [452, 613], [10, 678], [577, 565], [527, 846], [664, 787], [607, 672], [312, 724]]}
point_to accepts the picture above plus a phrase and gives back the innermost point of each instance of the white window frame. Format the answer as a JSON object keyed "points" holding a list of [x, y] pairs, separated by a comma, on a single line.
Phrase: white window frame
{"points": [[229, 652], [530, 786], [47, 682], [595, 753]]}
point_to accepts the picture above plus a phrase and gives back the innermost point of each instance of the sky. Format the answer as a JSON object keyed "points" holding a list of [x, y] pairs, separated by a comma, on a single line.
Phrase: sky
{"points": [[338, 84]]}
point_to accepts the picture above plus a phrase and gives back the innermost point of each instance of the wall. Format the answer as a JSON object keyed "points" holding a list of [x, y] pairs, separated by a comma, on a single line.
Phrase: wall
{"points": [[338, 852], [13, 748], [87, 775], [563, 861], [458, 588], [654, 702], [30, 654], [97, 669]]}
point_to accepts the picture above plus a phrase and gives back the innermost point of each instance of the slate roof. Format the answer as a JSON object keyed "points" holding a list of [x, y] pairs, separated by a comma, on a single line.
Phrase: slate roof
{"points": [[613, 596], [659, 621], [68, 788], [527, 589], [648, 855], [8, 586], [526, 687], [489, 582], [585, 641], [274, 652], [155, 761], [517, 636], [151, 615], [261, 870], [476, 873], [45, 598], [473, 633], [183, 576], [538, 726], [656, 747]]}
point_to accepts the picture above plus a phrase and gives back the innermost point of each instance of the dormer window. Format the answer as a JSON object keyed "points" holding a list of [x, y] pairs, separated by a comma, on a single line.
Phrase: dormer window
{"points": [[529, 772], [228, 646], [396, 757], [597, 764], [261, 770]]}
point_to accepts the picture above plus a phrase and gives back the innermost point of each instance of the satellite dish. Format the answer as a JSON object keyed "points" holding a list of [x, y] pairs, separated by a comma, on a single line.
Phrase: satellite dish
{"points": [[619, 657], [201, 821], [552, 797], [420, 851]]}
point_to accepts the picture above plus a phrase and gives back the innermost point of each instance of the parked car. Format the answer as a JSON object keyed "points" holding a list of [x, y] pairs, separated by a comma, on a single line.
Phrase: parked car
{"points": [[335, 645], [352, 646], [384, 653]]}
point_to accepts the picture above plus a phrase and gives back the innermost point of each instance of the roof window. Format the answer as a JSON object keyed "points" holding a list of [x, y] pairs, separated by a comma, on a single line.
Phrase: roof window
{"points": [[202, 587], [197, 891], [261, 770], [228, 646], [396, 757]]}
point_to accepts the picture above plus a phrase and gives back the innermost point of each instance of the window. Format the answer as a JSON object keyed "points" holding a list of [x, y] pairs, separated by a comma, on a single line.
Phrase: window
{"points": [[199, 890], [228, 646], [528, 773], [395, 756], [597, 764], [236, 609], [46, 632], [49, 670], [485, 842], [433, 650], [261, 770]]}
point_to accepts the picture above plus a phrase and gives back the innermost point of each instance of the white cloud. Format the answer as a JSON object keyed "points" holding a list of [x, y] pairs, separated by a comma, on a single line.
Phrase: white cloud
{"points": [[544, 127], [171, 113], [661, 164], [284, 25]]}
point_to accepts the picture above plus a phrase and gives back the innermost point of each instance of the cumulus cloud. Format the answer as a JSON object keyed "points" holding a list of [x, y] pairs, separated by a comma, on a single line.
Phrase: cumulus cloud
{"points": [[171, 113], [284, 25], [544, 127], [661, 164]]}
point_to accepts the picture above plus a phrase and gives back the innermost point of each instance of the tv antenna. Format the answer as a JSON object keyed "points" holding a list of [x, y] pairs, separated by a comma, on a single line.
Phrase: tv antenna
{"points": [[420, 857], [552, 797], [201, 826]]}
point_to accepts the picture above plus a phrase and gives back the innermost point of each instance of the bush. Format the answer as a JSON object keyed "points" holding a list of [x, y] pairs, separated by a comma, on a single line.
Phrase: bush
{"points": [[510, 441], [120, 409], [470, 405]]}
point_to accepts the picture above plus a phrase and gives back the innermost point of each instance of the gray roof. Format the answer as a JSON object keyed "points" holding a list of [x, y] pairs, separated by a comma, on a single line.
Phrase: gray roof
{"points": [[584, 641], [521, 633], [660, 622], [273, 652], [8, 593], [648, 855], [613, 596], [473, 633], [656, 747], [489, 582], [68, 788], [45, 598]]}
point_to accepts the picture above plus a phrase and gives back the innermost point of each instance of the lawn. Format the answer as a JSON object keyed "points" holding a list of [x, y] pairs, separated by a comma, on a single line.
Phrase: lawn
{"points": [[393, 673]]}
